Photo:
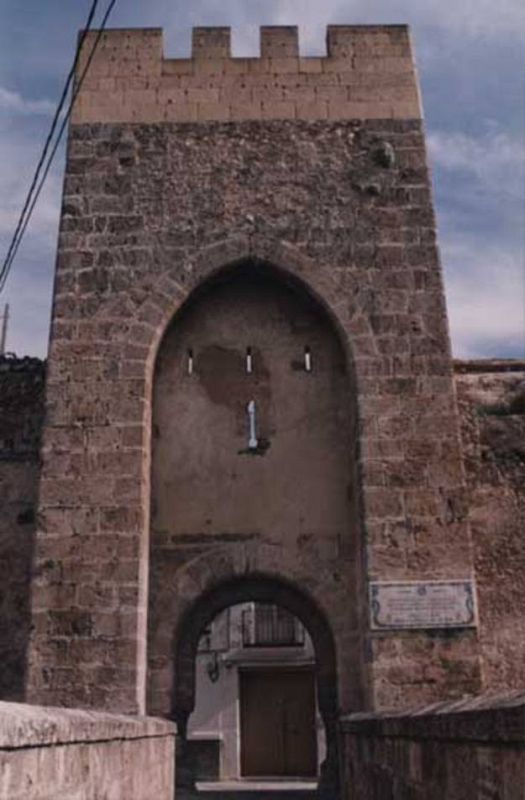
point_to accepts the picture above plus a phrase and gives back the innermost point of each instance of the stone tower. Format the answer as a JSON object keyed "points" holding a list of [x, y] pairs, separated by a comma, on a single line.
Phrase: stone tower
{"points": [[247, 235]]}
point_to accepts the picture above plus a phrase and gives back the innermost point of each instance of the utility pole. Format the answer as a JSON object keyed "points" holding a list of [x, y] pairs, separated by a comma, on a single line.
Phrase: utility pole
{"points": [[3, 334]]}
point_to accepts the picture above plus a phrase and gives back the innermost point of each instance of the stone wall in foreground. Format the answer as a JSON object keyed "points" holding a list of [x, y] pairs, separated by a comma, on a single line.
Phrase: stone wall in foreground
{"points": [[59, 754], [21, 413], [465, 750], [491, 399]]}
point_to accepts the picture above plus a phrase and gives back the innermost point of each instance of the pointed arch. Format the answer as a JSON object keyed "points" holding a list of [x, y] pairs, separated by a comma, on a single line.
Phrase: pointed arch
{"points": [[175, 288], [327, 592]]}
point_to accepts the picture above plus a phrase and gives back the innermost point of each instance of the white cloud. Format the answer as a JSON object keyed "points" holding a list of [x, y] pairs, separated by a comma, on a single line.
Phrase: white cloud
{"points": [[496, 159], [482, 187], [484, 173], [485, 289], [469, 18], [19, 155], [29, 294], [28, 288], [14, 103], [472, 18]]}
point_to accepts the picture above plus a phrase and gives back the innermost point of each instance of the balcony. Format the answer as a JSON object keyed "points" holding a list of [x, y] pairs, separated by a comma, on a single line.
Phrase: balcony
{"points": [[270, 626]]}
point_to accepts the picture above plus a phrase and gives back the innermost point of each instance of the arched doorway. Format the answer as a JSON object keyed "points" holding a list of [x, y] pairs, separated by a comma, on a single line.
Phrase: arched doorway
{"points": [[304, 681]]}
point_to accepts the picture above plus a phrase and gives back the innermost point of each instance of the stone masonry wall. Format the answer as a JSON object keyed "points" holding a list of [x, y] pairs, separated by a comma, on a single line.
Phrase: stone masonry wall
{"points": [[21, 414], [491, 398], [59, 754], [368, 73], [466, 750], [151, 211]]}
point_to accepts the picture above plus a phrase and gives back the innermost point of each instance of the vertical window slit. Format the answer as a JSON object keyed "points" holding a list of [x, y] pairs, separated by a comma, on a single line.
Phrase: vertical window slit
{"points": [[307, 359]]}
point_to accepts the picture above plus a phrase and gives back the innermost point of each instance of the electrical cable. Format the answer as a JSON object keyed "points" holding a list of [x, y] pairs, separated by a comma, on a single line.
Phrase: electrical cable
{"points": [[49, 138], [32, 199]]}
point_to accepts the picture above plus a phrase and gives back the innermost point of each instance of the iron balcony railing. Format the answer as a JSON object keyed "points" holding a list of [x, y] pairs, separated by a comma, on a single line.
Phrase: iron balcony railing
{"points": [[271, 626]]}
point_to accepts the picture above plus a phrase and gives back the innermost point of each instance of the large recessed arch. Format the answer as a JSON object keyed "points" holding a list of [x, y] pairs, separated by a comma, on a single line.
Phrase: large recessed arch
{"points": [[308, 550], [254, 305]]}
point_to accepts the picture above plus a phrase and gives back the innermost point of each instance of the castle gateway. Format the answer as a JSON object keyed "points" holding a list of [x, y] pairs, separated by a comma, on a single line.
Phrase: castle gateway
{"points": [[252, 509]]}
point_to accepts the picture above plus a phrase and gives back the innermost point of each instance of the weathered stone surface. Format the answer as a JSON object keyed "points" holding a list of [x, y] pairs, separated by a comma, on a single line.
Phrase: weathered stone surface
{"points": [[201, 197], [490, 396], [21, 414], [25, 725], [466, 750], [59, 754], [368, 73]]}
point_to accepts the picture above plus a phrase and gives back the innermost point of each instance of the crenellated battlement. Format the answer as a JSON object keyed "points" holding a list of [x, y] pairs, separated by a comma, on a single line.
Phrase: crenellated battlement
{"points": [[368, 72], [211, 43]]}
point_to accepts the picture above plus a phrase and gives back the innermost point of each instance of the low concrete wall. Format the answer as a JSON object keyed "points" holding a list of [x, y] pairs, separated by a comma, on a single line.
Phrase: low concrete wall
{"points": [[63, 754], [464, 750]]}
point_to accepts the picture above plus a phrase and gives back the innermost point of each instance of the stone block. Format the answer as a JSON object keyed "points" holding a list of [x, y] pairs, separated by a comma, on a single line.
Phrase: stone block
{"points": [[284, 109], [316, 109], [210, 66], [384, 503], [267, 93], [311, 65], [351, 110], [237, 66], [166, 96], [338, 65], [242, 111], [202, 95], [233, 94], [213, 111], [337, 95], [259, 66], [180, 112], [343, 40], [211, 43], [279, 41], [178, 66]]}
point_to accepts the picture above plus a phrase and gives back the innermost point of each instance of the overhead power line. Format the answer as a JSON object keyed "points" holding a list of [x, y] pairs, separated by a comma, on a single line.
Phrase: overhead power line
{"points": [[38, 180], [49, 138], [3, 332]]}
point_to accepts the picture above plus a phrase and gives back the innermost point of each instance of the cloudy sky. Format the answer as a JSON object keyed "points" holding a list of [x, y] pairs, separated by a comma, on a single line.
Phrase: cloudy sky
{"points": [[472, 67]]}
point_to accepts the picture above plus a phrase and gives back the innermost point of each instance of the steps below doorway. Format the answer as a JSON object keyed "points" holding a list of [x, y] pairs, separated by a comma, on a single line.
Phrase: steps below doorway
{"points": [[256, 790]]}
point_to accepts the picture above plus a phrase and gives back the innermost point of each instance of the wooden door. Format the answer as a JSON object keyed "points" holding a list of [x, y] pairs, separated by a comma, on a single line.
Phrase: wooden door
{"points": [[278, 731]]}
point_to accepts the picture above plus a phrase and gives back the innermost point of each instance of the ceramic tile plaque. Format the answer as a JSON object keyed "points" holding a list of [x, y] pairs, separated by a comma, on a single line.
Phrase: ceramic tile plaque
{"points": [[422, 604]]}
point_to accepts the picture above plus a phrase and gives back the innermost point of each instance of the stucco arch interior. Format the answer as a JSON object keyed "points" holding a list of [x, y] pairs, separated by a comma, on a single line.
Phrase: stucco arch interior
{"points": [[219, 501], [175, 288]]}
